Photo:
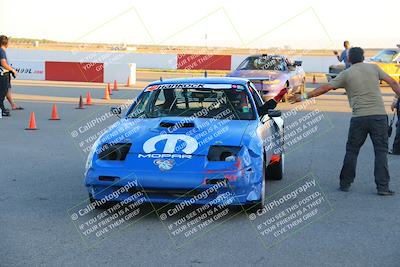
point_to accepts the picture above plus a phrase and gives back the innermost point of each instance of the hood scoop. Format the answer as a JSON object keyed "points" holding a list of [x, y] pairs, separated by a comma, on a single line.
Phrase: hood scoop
{"points": [[175, 125]]}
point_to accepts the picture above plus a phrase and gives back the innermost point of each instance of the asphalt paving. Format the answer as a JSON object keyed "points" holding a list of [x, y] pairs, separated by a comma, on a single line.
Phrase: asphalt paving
{"points": [[41, 175]]}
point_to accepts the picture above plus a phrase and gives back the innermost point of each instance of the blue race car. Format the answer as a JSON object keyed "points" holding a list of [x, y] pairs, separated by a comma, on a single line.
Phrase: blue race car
{"points": [[182, 138]]}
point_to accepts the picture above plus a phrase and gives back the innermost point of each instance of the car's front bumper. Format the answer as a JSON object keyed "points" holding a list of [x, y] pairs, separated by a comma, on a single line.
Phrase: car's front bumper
{"points": [[174, 187]]}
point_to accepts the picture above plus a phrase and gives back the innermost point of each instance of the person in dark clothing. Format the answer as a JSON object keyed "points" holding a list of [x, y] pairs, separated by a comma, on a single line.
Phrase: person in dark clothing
{"points": [[396, 143], [5, 72], [361, 82]]}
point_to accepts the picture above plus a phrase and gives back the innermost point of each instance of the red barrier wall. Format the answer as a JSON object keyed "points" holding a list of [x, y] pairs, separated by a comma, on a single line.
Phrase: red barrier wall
{"points": [[74, 71], [203, 62]]}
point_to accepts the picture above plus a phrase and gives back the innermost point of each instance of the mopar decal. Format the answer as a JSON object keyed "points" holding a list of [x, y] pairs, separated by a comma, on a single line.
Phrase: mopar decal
{"points": [[171, 140]]}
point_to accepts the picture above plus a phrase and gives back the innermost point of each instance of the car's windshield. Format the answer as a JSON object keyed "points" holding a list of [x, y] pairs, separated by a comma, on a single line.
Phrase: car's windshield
{"points": [[171, 100], [262, 63], [385, 56]]}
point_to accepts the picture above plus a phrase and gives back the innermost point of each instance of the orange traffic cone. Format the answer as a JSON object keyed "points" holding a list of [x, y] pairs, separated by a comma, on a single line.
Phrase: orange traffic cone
{"points": [[314, 80], [88, 99], [54, 114], [128, 82], [109, 89], [106, 94], [80, 103], [32, 122], [115, 85]]}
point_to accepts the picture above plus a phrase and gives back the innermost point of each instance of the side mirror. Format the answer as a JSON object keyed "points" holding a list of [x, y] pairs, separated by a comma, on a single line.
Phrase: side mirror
{"points": [[274, 113], [267, 107], [116, 111], [298, 63]]}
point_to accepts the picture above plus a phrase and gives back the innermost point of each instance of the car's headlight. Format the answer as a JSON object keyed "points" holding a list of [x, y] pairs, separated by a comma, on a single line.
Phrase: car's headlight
{"points": [[223, 153], [114, 151], [277, 81], [90, 159], [231, 158]]}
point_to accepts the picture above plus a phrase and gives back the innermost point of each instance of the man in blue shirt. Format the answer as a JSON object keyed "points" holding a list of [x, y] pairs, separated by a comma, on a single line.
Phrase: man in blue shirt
{"points": [[343, 56], [5, 71]]}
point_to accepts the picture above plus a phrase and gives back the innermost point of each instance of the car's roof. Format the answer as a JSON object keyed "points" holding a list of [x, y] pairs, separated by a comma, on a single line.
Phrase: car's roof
{"points": [[203, 80], [391, 50], [267, 55]]}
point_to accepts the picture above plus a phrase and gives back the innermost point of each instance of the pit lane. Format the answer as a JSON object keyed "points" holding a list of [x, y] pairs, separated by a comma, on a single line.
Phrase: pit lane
{"points": [[42, 177]]}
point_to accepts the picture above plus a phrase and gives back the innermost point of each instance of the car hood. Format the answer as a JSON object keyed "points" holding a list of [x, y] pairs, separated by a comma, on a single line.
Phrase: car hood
{"points": [[163, 135], [255, 74]]}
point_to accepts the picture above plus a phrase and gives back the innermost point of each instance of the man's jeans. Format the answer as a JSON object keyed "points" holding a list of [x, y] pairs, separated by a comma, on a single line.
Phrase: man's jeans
{"points": [[377, 128], [396, 143]]}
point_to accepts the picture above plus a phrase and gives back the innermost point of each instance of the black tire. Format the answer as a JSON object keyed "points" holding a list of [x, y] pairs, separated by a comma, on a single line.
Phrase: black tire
{"points": [[91, 199], [275, 171], [97, 207]]}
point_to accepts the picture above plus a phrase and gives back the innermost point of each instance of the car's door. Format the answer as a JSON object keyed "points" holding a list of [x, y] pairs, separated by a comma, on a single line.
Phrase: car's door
{"points": [[394, 70], [265, 130], [387, 61]]}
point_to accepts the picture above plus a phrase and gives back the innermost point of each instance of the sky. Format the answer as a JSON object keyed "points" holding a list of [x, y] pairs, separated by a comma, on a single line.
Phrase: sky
{"points": [[300, 24]]}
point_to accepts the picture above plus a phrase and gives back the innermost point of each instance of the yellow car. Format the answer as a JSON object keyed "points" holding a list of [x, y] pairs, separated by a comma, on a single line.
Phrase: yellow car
{"points": [[389, 61]]}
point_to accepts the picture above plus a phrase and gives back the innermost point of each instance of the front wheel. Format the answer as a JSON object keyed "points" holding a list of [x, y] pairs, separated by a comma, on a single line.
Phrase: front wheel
{"points": [[98, 206], [276, 166], [275, 169]]}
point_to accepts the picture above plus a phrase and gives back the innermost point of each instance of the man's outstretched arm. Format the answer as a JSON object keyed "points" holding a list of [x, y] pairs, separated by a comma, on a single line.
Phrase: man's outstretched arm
{"points": [[339, 57], [393, 84], [395, 87], [314, 93]]}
